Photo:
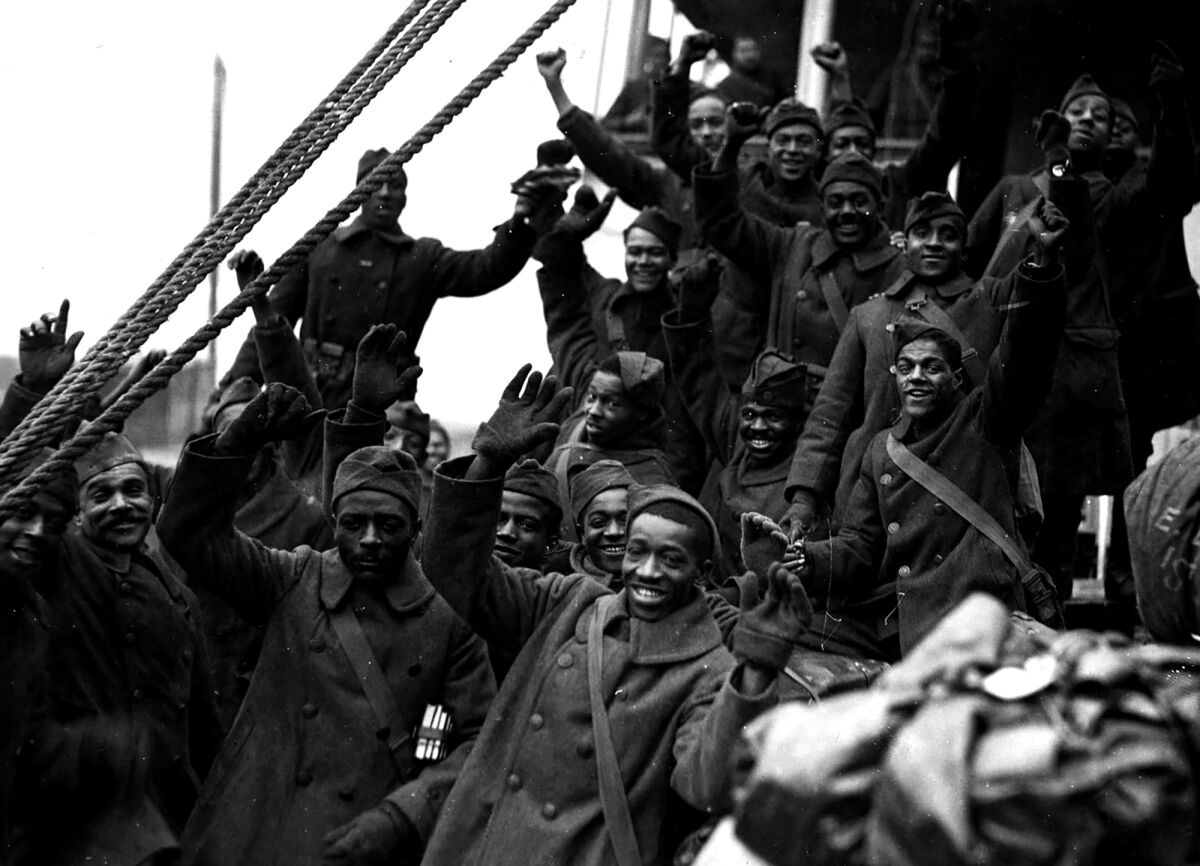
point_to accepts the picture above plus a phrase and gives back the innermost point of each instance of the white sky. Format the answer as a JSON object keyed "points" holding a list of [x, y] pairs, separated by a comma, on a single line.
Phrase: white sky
{"points": [[104, 171], [105, 168]]}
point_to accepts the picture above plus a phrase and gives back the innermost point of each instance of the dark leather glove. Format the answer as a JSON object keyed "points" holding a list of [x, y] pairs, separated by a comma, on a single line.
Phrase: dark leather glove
{"points": [[695, 285], [523, 420], [768, 629], [587, 214], [1167, 79], [277, 414], [379, 377]]}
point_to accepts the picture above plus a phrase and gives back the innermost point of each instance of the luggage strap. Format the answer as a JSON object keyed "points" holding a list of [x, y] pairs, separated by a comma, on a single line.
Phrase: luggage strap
{"points": [[371, 680], [966, 507], [613, 801], [833, 299]]}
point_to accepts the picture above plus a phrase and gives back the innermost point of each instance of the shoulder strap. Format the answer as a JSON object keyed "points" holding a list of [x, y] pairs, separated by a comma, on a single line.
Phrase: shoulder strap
{"points": [[371, 680], [966, 507], [932, 312], [833, 299], [561, 463], [612, 787]]}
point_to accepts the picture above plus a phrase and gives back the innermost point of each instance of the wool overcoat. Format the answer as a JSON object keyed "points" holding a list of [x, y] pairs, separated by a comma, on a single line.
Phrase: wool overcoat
{"points": [[529, 793]]}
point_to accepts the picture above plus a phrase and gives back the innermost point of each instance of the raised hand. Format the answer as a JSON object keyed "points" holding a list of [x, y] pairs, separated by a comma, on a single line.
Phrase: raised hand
{"points": [[379, 378], [542, 188], [832, 58], [695, 47], [587, 214], [763, 542], [277, 414], [550, 64], [248, 266], [1047, 225], [768, 628], [524, 420], [45, 352], [695, 285], [1167, 79]]}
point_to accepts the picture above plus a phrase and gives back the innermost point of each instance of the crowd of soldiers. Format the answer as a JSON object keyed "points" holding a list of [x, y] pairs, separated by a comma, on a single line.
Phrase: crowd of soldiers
{"points": [[822, 409]]}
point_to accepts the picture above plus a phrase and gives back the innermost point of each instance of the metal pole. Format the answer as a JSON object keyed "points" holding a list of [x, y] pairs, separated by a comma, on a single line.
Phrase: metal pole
{"points": [[639, 26], [816, 26], [214, 192]]}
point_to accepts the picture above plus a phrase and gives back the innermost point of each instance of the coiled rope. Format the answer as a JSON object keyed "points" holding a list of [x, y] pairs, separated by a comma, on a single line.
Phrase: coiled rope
{"points": [[281, 171], [64, 458]]}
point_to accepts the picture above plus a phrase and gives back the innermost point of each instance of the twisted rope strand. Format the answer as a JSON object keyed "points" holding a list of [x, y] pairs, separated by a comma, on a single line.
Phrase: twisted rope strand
{"points": [[201, 256], [63, 459]]}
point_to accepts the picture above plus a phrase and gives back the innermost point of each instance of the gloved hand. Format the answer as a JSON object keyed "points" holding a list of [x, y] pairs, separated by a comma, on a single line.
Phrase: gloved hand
{"points": [[522, 421], [541, 191], [45, 352], [377, 837], [695, 286], [278, 413], [1167, 78], [767, 630], [802, 516], [1047, 225], [379, 380], [1052, 131], [556, 151], [763, 542], [587, 214], [248, 266]]}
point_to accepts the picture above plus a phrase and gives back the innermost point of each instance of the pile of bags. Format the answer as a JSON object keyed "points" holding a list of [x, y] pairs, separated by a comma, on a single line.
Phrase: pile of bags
{"points": [[995, 741]]}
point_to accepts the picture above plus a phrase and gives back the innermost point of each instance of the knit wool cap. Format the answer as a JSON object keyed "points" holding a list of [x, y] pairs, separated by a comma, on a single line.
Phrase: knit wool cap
{"points": [[110, 452], [659, 223], [644, 497], [789, 111], [594, 480], [1084, 85], [380, 469], [1121, 108], [856, 168], [847, 113], [929, 205], [909, 330], [532, 479], [643, 377], [237, 392], [776, 380], [407, 415], [372, 158]]}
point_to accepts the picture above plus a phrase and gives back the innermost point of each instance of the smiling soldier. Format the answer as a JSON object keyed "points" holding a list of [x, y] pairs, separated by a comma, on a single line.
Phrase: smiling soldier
{"points": [[617, 701], [326, 763], [816, 275], [912, 546], [859, 398]]}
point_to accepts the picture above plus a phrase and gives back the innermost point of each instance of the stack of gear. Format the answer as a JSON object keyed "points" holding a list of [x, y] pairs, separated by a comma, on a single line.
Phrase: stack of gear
{"points": [[996, 741]]}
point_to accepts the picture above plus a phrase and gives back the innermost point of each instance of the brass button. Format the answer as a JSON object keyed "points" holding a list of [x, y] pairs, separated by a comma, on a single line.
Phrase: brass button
{"points": [[549, 811], [885, 479], [304, 778], [316, 645], [514, 781], [938, 559], [939, 509], [309, 711], [566, 660], [536, 721], [893, 528], [137, 694], [584, 749], [126, 587], [802, 294], [130, 637], [904, 571]]}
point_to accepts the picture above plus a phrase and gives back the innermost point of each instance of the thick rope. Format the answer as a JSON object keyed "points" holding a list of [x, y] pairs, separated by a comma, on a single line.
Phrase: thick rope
{"points": [[63, 459], [245, 210], [67, 397]]}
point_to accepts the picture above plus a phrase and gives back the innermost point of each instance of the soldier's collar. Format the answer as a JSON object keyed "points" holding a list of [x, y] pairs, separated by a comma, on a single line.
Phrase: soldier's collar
{"points": [[406, 591], [876, 252], [949, 289], [395, 234]]}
